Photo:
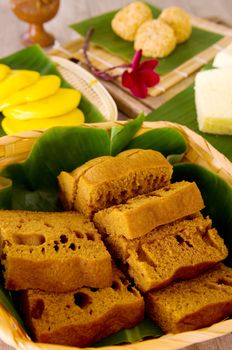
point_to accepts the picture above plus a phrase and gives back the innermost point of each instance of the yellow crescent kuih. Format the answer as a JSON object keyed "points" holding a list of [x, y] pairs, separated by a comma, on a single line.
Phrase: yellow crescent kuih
{"points": [[17, 80], [4, 71], [44, 87], [62, 102], [13, 126]]}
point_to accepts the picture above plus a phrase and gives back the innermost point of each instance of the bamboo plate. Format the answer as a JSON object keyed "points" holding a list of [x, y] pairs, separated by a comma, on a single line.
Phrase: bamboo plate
{"points": [[16, 148], [88, 85]]}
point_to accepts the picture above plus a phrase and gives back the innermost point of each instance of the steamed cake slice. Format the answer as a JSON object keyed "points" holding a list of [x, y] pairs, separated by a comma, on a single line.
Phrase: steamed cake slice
{"points": [[179, 250], [223, 58], [68, 181], [142, 214], [213, 98], [189, 305], [85, 316], [112, 180], [52, 252]]}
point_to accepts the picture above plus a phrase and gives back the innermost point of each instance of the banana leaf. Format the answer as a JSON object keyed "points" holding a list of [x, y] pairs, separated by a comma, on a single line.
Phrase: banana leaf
{"points": [[154, 139], [181, 109], [105, 38], [121, 135], [5, 193], [33, 58], [32, 185], [34, 182], [7, 302], [145, 329]]}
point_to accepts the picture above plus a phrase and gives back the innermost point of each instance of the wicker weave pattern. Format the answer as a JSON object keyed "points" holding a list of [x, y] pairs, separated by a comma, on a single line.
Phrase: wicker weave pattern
{"points": [[16, 148]]}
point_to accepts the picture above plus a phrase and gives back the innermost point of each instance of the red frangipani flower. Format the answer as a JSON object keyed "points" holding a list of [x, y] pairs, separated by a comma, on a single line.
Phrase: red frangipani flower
{"points": [[138, 78], [141, 76]]}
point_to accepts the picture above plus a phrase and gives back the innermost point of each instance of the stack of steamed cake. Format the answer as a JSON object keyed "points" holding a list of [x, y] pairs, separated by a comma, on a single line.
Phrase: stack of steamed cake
{"points": [[72, 294], [154, 229]]}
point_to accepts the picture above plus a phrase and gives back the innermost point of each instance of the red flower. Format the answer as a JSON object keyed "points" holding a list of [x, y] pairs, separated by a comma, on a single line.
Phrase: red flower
{"points": [[141, 76]]}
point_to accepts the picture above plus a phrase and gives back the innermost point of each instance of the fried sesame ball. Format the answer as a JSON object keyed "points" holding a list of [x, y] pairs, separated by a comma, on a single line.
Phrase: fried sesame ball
{"points": [[127, 21], [180, 22], [155, 38]]}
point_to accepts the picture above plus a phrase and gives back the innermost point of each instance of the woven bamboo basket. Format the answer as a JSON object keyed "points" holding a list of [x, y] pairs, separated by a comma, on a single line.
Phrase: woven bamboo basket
{"points": [[16, 149]]}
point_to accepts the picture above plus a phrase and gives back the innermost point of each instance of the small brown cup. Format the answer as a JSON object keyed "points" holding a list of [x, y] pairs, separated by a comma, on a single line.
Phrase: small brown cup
{"points": [[36, 13]]}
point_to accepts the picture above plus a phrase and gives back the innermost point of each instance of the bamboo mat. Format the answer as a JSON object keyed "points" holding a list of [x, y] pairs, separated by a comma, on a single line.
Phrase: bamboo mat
{"points": [[171, 83]]}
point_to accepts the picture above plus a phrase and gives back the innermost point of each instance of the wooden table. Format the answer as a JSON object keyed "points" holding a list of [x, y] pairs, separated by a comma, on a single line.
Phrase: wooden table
{"points": [[72, 11]]}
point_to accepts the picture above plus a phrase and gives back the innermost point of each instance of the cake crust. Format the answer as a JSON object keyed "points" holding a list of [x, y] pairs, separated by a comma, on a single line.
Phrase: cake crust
{"points": [[106, 181], [142, 214]]}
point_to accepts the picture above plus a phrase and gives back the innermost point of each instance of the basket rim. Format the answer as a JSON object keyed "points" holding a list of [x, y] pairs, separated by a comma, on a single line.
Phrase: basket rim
{"points": [[213, 159]]}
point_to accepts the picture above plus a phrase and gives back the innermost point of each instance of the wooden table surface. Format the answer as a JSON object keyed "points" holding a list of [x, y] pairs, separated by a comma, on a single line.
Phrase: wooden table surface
{"points": [[74, 10]]}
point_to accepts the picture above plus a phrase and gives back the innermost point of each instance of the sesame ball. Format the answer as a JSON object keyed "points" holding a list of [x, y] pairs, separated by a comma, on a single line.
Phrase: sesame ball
{"points": [[127, 21], [180, 22], [155, 38]]}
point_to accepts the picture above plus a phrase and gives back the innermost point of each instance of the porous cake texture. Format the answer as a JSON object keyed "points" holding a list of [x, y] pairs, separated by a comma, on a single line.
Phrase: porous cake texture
{"points": [[85, 316], [139, 215], [179, 250], [52, 251], [106, 181], [193, 304]]}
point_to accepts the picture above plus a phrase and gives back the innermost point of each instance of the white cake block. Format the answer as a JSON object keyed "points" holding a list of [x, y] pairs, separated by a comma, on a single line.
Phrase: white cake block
{"points": [[223, 58], [213, 98]]}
